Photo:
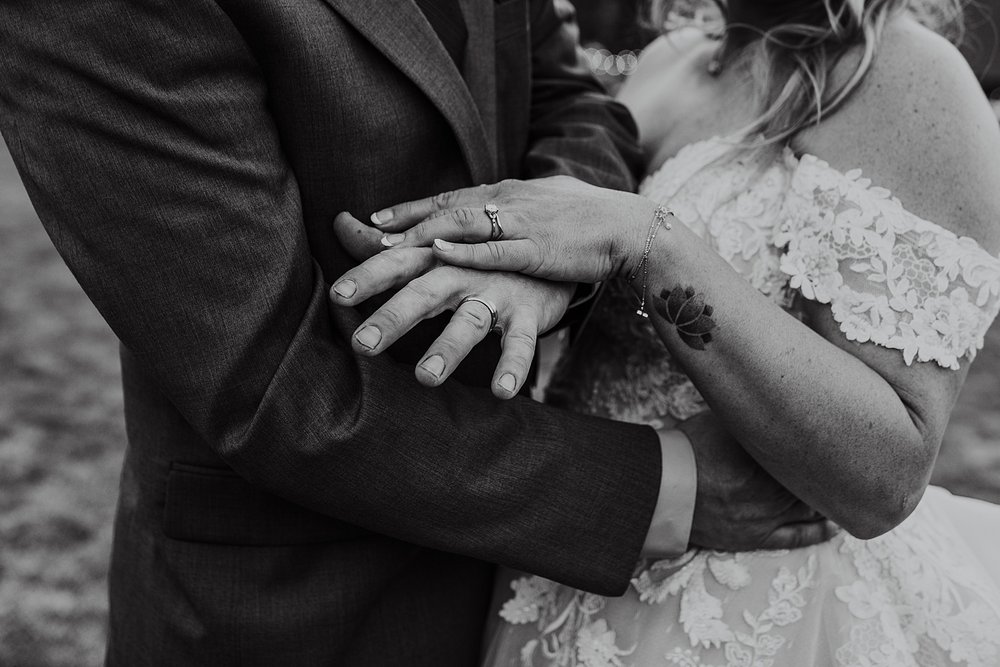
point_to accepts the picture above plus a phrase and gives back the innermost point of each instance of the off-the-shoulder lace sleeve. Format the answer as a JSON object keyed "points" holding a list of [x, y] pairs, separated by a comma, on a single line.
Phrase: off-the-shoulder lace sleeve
{"points": [[889, 276]]}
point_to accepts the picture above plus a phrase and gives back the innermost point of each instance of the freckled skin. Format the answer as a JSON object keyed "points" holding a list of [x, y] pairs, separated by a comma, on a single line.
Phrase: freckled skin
{"points": [[918, 126]]}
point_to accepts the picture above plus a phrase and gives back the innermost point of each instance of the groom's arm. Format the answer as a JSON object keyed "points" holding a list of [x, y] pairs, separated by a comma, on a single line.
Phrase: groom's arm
{"points": [[577, 129], [143, 138]]}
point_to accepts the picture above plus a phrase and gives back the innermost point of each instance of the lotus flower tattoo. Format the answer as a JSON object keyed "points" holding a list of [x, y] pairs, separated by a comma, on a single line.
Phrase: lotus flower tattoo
{"points": [[687, 310]]}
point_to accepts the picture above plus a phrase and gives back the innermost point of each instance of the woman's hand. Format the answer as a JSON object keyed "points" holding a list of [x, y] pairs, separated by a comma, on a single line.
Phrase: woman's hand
{"points": [[557, 228]]}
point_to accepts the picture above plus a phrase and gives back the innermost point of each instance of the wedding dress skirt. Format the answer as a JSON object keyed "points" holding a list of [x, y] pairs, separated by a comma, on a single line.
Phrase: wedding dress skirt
{"points": [[926, 594], [921, 595], [977, 524]]}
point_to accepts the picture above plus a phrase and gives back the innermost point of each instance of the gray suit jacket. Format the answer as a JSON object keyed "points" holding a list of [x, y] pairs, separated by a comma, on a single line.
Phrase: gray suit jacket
{"points": [[284, 502]]}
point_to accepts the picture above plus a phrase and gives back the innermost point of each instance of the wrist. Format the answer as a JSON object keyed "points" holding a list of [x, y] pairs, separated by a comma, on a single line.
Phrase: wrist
{"points": [[630, 243], [553, 307], [638, 277]]}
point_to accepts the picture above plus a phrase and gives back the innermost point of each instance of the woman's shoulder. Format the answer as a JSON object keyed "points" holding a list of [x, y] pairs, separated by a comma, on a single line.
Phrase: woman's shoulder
{"points": [[920, 126], [919, 67]]}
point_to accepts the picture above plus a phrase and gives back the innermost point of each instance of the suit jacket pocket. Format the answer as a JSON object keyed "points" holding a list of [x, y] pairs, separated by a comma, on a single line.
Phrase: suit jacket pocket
{"points": [[217, 506]]}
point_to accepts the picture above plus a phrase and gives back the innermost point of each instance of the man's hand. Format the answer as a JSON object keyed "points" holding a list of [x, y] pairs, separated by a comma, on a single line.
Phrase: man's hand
{"points": [[525, 307], [739, 506]]}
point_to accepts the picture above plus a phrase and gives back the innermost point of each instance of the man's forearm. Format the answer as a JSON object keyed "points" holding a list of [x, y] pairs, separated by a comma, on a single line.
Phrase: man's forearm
{"points": [[576, 128], [187, 232]]}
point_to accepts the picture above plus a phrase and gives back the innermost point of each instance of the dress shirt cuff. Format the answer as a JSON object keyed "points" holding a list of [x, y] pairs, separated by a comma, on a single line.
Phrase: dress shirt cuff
{"points": [[670, 529]]}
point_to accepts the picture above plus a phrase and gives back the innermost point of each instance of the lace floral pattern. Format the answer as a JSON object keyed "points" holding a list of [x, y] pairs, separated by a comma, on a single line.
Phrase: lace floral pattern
{"points": [[702, 614], [908, 599], [570, 632], [890, 277], [914, 597]]}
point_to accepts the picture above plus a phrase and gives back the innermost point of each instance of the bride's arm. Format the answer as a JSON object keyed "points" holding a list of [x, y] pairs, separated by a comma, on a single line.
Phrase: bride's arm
{"points": [[849, 427]]}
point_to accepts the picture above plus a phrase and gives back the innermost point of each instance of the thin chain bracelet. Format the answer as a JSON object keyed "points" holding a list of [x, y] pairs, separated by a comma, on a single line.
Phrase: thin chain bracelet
{"points": [[659, 219]]}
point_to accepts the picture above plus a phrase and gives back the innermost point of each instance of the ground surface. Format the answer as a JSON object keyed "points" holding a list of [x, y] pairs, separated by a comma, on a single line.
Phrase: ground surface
{"points": [[62, 438]]}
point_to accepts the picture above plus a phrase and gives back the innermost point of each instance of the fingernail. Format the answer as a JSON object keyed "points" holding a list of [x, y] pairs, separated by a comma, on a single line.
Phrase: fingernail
{"points": [[444, 245], [381, 217], [433, 365], [346, 288], [369, 337], [390, 240], [508, 382]]}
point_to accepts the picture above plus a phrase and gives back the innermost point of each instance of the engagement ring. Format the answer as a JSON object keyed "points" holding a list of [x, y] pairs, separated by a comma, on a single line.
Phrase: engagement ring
{"points": [[496, 232]]}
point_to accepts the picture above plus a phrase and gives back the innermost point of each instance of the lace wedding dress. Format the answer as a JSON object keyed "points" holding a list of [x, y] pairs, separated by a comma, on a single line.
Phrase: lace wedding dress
{"points": [[918, 596]]}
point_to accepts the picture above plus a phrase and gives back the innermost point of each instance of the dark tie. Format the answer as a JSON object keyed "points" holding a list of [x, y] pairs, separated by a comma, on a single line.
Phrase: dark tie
{"points": [[445, 16]]}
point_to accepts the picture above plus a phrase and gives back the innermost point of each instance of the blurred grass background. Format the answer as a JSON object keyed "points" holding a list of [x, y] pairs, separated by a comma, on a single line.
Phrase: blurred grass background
{"points": [[62, 440]]}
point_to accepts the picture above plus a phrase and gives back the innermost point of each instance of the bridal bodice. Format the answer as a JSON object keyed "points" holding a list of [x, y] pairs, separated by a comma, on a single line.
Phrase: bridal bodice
{"points": [[798, 230]]}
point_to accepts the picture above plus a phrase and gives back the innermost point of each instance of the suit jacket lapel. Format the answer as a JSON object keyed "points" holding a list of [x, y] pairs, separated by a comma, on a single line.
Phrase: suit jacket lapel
{"points": [[400, 31], [480, 66]]}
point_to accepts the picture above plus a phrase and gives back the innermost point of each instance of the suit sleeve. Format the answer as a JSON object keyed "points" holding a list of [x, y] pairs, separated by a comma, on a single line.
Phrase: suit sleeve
{"points": [[143, 138], [576, 128]]}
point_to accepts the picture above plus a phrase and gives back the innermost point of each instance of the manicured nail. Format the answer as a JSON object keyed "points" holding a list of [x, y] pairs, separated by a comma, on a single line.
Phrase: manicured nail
{"points": [[390, 240], [433, 365], [508, 382], [346, 288], [369, 337], [441, 244], [381, 217]]}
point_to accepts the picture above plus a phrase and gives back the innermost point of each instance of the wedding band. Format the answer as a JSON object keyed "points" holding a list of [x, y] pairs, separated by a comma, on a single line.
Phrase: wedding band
{"points": [[494, 315], [496, 231]]}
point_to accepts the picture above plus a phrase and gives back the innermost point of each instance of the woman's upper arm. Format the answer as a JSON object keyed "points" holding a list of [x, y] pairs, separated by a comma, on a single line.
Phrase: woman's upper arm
{"points": [[920, 128]]}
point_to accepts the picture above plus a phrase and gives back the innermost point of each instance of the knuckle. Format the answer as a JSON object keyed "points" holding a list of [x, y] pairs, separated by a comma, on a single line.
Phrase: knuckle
{"points": [[465, 219], [475, 318], [365, 274], [520, 337], [391, 260], [442, 200], [448, 347], [519, 363], [421, 289], [506, 185], [455, 343], [388, 319]]}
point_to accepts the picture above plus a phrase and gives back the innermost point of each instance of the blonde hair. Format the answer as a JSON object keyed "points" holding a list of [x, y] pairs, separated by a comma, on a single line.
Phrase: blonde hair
{"points": [[792, 61]]}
